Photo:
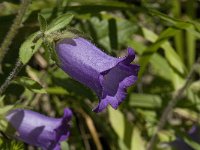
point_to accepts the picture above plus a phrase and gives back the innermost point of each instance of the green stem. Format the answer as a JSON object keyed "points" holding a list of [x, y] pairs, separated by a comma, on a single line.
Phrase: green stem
{"points": [[13, 30], [177, 96], [14, 72], [179, 43]]}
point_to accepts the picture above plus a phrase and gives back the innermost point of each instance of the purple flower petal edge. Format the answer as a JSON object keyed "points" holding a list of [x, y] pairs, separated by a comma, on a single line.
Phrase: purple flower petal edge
{"points": [[124, 75], [62, 131]]}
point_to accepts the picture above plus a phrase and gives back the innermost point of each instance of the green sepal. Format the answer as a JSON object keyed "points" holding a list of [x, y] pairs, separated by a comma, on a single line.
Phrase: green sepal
{"points": [[49, 47], [6, 127], [43, 23], [50, 41], [59, 23]]}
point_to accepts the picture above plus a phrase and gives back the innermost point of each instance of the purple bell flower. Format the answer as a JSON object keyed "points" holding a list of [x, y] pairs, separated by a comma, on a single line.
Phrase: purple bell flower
{"points": [[108, 76], [39, 130]]}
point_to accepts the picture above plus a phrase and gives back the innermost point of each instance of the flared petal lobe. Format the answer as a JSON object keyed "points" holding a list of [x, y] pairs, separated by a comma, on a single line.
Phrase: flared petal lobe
{"points": [[108, 76], [39, 130]]}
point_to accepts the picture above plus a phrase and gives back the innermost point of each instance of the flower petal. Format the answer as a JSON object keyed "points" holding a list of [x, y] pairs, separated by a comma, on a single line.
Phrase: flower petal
{"points": [[39, 130], [106, 75], [114, 84]]}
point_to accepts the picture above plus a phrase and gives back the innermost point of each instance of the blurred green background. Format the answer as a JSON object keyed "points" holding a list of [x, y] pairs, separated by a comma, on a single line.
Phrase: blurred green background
{"points": [[166, 37]]}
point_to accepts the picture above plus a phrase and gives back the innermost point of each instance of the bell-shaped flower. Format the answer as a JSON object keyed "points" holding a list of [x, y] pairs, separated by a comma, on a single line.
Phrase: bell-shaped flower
{"points": [[108, 76], [39, 130]]}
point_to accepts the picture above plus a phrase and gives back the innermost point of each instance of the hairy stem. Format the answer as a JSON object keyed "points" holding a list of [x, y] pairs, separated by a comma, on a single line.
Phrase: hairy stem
{"points": [[177, 96], [13, 29], [14, 72]]}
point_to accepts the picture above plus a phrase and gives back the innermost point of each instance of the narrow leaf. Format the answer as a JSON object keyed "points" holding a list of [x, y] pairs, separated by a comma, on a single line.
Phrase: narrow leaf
{"points": [[191, 48], [2, 97], [56, 90], [137, 141], [113, 33], [170, 53], [117, 121], [145, 100], [194, 145], [59, 23], [5, 109], [30, 84], [42, 22]]}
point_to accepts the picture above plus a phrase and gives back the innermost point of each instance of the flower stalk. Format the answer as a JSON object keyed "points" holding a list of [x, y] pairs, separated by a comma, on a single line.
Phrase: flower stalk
{"points": [[14, 72], [13, 30]]}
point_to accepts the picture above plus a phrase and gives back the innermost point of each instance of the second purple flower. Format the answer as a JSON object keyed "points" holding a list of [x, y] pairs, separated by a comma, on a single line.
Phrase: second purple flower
{"points": [[108, 76], [39, 130]]}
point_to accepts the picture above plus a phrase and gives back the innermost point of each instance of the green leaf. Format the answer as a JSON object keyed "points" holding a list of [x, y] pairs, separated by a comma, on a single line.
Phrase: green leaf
{"points": [[179, 24], [145, 100], [187, 113], [170, 53], [192, 143], [161, 66], [161, 41], [43, 23], [197, 68], [137, 46], [191, 48], [8, 144], [195, 87], [149, 116], [4, 126], [1, 100], [59, 23], [121, 127], [179, 44], [173, 58], [87, 6], [196, 24], [162, 16], [99, 29], [30, 84], [2, 97], [137, 143], [117, 121], [5, 109], [56, 90], [167, 33], [122, 145], [65, 145], [113, 33], [29, 47]]}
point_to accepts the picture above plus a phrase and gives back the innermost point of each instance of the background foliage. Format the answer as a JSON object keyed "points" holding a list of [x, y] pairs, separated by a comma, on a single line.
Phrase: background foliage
{"points": [[166, 37]]}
